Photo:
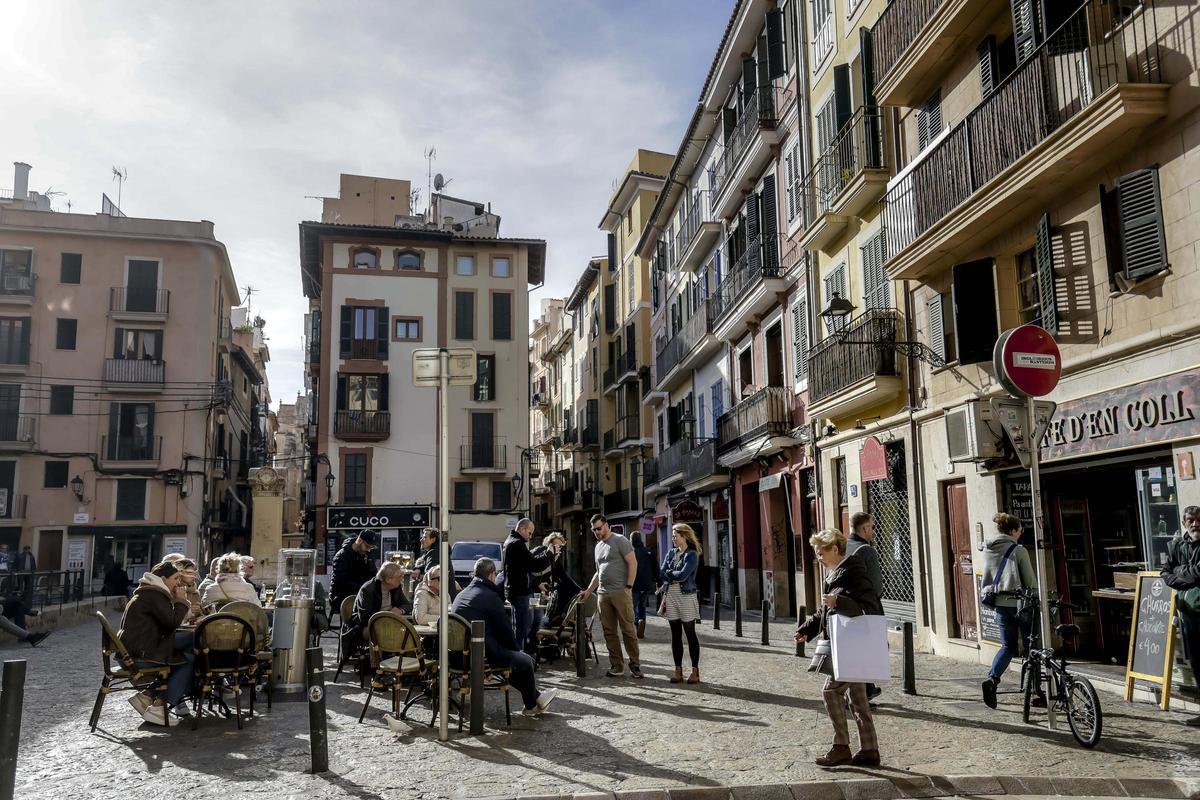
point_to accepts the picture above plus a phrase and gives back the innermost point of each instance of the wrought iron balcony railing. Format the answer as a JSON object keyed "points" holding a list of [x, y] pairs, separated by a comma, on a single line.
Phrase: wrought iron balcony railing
{"points": [[759, 112], [366, 424], [834, 366], [764, 413], [701, 461], [486, 453], [747, 272], [679, 346], [134, 370], [132, 300], [858, 146]]}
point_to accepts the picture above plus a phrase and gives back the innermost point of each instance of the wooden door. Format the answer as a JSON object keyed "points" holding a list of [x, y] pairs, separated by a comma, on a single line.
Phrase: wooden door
{"points": [[141, 288], [49, 554], [962, 568]]}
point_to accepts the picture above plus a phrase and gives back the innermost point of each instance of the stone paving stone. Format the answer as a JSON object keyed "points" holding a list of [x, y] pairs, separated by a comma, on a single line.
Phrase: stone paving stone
{"points": [[640, 794], [1090, 787], [868, 789], [1151, 787], [974, 784], [699, 793], [816, 790], [771, 791], [915, 786]]}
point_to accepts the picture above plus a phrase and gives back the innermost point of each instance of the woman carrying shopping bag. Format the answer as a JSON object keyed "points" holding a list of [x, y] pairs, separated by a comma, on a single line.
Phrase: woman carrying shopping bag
{"points": [[848, 592]]}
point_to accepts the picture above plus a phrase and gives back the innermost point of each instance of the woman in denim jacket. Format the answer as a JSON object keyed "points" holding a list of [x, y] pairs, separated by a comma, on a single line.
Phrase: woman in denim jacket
{"points": [[680, 603]]}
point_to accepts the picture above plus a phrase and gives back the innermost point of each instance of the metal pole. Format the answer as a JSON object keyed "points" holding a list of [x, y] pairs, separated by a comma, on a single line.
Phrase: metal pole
{"points": [[910, 661], [717, 611], [12, 698], [444, 545], [737, 615], [581, 654], [477, 656], [1041, 548], [318, 737], [766, 614], [801, 615]]}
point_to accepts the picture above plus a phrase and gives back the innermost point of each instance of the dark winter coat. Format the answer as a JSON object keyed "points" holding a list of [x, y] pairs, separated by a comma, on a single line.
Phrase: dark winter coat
{"points": [[850, 582], [481, 600], [351, 570], [369, 602], [519, 566], [151, 617], [1182, 569]]}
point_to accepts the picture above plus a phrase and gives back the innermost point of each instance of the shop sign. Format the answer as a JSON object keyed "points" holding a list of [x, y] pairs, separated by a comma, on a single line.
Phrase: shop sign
{"points": [[647, 525], [175, 544], [872, 460], [1159, 410], [769, 482], [687, 511], [359, 517]]}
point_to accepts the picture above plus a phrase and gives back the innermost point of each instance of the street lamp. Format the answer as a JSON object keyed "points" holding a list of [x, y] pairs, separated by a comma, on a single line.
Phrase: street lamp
{"points": [[329, 479], [517, 481], [839, 309], [77, 487]]}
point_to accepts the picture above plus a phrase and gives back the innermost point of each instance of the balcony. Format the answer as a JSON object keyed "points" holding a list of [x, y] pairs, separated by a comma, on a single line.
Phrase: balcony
{"points": [[314, 354], [701, 472], [915, 42], [14, 354], [548, 437], [134, 374], [130, 452], [591, 500], [589, 436], [670, 463], [609, 378], [16, 288], [609, 445], [362, 426], [848, 178], [646, 386], [570, 436], [620, 502], [489, 455], [690, 345], [697, 234], [747, 151], [539, 400], [845, 378], [629, 430], [365, 349], [569, 499], [1080, 99], [17, 431], [747, 291], [13, 506], [138, 305], [764, 413]]}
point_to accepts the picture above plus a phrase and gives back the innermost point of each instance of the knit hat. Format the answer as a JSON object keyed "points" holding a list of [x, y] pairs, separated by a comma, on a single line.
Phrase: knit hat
{"points": [[164, 570]]}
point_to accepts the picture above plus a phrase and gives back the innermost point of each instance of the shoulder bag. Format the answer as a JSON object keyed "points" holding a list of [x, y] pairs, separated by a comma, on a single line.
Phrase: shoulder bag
{"points": [[987, 595]]}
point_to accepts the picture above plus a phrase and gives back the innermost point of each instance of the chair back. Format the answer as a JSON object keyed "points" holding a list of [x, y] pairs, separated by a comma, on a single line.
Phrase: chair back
{"points": [[224, 642], [347, 610], [393, 635], [253, 614], [568, 621], [111, 644], [458, 641], [591, 606]]}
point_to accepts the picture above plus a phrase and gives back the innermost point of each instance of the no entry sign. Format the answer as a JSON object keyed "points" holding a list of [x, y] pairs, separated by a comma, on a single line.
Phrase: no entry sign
{"points": [[1027, 361]]}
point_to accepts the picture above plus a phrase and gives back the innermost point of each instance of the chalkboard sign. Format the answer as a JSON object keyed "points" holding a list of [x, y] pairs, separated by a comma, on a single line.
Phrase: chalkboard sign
{"points": [[1152, 641], [989, 621]]}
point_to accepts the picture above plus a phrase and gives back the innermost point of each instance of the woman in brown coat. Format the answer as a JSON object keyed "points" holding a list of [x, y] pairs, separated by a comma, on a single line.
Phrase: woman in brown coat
{"points": [[149, 632]]}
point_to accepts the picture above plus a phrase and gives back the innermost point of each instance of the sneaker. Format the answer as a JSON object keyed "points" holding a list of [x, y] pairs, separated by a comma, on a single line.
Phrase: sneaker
{"points": [[34, 639], [989, 693], [157, 715], [614, 673], [874, 692], [394, 725], [181, 710], [545, 698], [140, 702], [635, 672]]}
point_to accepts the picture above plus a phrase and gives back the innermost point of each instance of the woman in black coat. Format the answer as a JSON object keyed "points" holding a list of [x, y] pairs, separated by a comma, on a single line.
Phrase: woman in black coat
{"points": [[848, 591], [562, 586]]}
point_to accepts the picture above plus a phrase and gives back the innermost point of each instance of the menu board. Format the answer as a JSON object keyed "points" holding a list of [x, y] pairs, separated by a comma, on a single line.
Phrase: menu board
{"points": [[1018, 501], [989, 621], [1151, 645]]}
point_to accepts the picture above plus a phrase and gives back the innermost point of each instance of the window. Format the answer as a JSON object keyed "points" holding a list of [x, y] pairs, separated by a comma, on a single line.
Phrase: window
{"points": [[464, 496], [464, 265], [364, 258], [55, 476], [364, 332], [629, 220], [464, 315], [14, 340], [501, 495], [1027, 288], [138, 345], [362, 392], [941, 335], [1133, 226], [717, 393], [408, 260], [62, 399], [485, 379], [131, 498], [792, 187], [406, 329], [701, 419], [64, 338], [929, 120], [502, 315], [876, 292], [841, 497], [131, 432], [501, 267], [822, 17], [71, 269], [354, 478]]}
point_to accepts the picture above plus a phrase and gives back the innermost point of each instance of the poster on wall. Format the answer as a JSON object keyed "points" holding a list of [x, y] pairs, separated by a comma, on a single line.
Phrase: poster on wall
{"points": [[77, 550], [174, 544]]}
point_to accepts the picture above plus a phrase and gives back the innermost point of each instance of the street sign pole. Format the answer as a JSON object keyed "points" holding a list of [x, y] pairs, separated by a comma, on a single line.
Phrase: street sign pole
{"points": [[444, 545], [1041, 547]]}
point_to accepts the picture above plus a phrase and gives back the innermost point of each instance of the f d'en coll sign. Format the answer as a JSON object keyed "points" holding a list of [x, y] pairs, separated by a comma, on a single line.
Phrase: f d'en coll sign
{"points": [[359, 517], [1159, 410]]}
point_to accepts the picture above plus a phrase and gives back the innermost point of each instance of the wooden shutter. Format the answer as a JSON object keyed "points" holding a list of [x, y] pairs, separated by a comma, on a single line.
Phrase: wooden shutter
{"points": [[383, 392], [872, 123], [800, 339], [343, 393], [464, 315], [776, 62], [749, 79], [752, 232], [347, 331], [119, 344], [770, 227], [114, 428], [867, 57], [501, 316], [843, 102], [976, 326], [1139, 213], [987, 65], [1043, 255], [766, 98], [929, 120], [1025, 28], [937, 328], [381, 330], [728, 123], [612, 253]]}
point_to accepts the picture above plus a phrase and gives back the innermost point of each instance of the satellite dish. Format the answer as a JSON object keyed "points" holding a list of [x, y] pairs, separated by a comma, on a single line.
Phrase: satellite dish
{"points": [[438, 181]]}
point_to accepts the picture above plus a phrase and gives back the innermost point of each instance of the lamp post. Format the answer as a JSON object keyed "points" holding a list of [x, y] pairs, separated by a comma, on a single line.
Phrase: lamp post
{"points": [[839, 309]]}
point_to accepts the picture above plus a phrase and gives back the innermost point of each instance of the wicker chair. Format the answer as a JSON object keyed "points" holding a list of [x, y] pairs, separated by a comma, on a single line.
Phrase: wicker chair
{"points": [[257, 617], [563, 636], [397, 661], [343, 657], [224, 660], [458, 650], [128, 674]]}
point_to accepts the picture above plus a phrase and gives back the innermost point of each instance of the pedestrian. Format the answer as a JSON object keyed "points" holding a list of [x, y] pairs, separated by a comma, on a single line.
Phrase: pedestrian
{"points": [[519, 566], [862, 543], [646, 582], [25, 561], [848, 591], [616, 571], [13, 620], [352, 567], [681, 603], [563, 588], [1181, 572], [1006, 571], [5, 558], [149, 631], [116, 580]]}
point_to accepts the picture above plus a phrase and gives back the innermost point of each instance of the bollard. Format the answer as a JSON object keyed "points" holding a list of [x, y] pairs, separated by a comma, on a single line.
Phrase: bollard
{"points": [[737, 615], [766, 613], [477, 657], [318, 741], [12, 697], [910, 661], [580, 642], [801, 615], [717, 611]]}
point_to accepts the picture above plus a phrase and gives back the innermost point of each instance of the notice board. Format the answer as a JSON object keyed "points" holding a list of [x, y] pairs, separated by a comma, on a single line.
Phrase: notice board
{"points": [[1152, 640]]}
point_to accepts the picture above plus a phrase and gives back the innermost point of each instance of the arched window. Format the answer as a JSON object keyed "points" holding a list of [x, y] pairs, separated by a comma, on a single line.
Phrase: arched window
{"points": [[364, 258], [408, 260]]}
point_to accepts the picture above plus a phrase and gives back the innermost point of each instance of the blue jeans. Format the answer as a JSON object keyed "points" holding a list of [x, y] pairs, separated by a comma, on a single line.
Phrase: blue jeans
{"points": [[640, 598], [1011, 632], [521, 619], [179, 682]]}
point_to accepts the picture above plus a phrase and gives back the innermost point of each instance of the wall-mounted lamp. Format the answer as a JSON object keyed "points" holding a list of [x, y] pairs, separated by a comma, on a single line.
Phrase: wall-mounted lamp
{"points": [[861, 424], [77, 487]]}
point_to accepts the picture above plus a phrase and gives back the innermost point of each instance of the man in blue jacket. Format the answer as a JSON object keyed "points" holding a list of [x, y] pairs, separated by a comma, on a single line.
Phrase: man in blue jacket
{"points": [[481, 600]]}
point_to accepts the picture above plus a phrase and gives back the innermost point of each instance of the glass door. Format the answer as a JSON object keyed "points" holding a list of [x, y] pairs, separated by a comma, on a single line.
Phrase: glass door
{"points": [[1158, 509]]}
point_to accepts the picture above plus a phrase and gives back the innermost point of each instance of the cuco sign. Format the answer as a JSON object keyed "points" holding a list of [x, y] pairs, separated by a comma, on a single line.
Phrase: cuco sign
{"points": [[344, 517], [1027, 361]]}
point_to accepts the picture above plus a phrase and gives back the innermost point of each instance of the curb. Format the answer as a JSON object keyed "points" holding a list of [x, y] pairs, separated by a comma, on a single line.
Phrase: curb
{"points": [[914, 786]]}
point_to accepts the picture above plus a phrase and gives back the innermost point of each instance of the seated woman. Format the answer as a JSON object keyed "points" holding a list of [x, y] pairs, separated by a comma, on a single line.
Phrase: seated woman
{"points": [[427, 598], [562, 587], [187, 569], [149, 632], [229, 585], [248, 567]]}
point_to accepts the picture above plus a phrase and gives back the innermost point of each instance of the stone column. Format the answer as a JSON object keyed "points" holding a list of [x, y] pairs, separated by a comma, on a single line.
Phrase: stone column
{"points": [[266, 528]]}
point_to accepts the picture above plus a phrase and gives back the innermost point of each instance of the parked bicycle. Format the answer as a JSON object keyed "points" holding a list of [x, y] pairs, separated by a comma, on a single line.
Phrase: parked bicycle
{"points": [[1045, 673]]}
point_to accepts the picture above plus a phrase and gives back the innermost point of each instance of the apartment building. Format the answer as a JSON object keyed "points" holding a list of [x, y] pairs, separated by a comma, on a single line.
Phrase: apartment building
{"points": [[550, 463], [381, 283], [117, 365]]}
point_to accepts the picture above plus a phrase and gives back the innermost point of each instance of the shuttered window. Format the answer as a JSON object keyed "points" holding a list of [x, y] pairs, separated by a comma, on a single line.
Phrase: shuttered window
{"points": [[501, 495], [987, 65], [800, 339], [876, 289], [464, 315], [1139, 213], [1025, 28], [792, 187], [502, 316], [131, 499], [929, 120], [770, 227], [937, 326], [1043, 252], [835, 283], [464, 496]]}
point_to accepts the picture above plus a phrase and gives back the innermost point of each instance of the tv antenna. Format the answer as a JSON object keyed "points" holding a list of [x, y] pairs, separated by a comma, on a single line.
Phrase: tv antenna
{"points": [[50, 194], [430, 155], [250, 292], [120, 174]]}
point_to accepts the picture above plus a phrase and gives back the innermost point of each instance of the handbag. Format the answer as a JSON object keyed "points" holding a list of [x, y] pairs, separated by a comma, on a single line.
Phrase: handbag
{"points": [[860, 648], [987, 595], [820, 661]]}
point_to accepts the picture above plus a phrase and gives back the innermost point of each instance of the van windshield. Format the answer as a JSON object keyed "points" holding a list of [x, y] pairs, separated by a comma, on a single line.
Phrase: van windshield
{"points": [[469, 551]]}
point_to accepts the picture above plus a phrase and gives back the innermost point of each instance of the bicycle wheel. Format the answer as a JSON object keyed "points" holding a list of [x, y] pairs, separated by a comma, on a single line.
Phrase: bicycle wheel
{"points": [[1032, 678], [1083, 711]]}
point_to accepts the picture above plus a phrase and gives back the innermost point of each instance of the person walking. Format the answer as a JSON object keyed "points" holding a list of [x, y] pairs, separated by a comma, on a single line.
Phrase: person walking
{"points": [[616, 571], [352, 567], [1006, 570], [644, 584], [519, 566], [681, 603], [13, 620], [862, 542], [848, 591], [1181, 572]]}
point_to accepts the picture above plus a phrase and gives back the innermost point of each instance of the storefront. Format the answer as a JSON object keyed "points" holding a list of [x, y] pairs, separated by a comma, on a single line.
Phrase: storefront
{"points": [[399, 527], [134, 548]]}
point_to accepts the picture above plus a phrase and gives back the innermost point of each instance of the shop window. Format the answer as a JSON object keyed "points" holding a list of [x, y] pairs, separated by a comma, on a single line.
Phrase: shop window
{"points": [[131, 498]]}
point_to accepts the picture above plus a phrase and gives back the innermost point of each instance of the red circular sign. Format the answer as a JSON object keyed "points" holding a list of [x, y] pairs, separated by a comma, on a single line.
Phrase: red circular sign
{"points": [[1027, 361]]}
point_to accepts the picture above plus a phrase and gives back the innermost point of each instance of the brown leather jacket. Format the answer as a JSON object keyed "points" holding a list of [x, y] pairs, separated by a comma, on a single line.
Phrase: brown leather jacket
{"points": [[151, 617]]}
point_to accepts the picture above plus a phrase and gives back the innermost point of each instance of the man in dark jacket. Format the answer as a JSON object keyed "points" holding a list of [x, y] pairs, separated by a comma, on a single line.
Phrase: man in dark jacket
{"points": [[352, 567], [381, 593], [861, 542], [645, 583], [519, 566], [1182, 573], [149, 631], [481, 600]]}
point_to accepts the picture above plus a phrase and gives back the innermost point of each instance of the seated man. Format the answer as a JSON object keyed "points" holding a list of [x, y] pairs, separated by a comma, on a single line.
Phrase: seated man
{"points": [[13, 620], [481, 600], [381, 593]]}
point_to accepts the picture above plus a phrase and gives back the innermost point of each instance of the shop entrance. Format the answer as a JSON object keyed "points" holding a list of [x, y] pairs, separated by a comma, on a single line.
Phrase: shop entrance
{"points": [[135, 554], [962, 572]]}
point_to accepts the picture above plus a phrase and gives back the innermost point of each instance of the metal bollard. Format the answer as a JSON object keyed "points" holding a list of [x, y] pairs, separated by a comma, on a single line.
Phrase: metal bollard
{"points": [[766, 613], [910, 661], [581, 653], [318, 737], [801, 615], [477, 656], [717, 611], [737, 615], [12, 698]]}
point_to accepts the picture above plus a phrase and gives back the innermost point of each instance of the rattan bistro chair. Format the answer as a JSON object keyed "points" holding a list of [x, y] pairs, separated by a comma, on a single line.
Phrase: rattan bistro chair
{"points": [[257, 617], [397, 661], [128, 674], [360, 651], [224, 660], [458, 650]]}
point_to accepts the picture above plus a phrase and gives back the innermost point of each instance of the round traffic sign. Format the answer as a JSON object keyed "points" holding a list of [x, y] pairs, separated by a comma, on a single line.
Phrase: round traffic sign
{"points": [[1027, 361]]}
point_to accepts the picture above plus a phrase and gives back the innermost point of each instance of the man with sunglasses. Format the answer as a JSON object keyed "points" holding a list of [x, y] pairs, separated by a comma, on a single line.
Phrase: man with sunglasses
{"points": [[616, 570]]}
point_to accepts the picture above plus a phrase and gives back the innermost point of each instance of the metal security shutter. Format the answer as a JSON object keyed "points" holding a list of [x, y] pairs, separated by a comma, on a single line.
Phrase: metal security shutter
{"points": [[875, 283], [800, 340], [1043, 255], [887, 501], [1139, 211], [770, 227], [937, 325], [987, 65]]}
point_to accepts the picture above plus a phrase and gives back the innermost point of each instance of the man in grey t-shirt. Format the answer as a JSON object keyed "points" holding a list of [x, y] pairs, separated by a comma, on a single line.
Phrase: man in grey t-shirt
{"points": [[616, 568]]}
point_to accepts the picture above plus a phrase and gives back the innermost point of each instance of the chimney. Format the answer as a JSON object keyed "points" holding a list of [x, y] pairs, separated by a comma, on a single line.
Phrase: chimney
{"points": [[20, 180]]}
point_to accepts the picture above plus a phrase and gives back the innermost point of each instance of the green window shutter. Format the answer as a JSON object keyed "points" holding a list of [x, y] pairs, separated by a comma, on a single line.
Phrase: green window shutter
{"points": [[1025, 28], [800, 339], [749, 78], [752, 232], [1139, 212], [766, 98], [381, 331], [770, 226], [347, 331], [937, 326], [776, 63], [842, 102], [383, 392], [987, 65], [1043, 255]]}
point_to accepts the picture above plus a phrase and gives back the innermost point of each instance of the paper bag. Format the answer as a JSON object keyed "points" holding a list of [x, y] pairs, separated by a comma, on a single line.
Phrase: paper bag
{"points": [[860, 648]]}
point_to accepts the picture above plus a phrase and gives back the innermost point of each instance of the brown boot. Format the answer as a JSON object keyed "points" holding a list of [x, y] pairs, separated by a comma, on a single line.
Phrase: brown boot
{"points": [[866, 758], [678, 676], [695, 676], [641, 629], [838, 754]]}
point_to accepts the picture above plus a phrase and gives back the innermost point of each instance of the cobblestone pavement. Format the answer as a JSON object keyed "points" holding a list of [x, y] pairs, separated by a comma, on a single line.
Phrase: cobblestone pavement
{"points": [[756, 719]]}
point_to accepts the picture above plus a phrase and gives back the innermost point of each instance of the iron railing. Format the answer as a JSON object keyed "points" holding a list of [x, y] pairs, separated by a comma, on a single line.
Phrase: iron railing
{"points": [[670, 460], [489, 453], [567, 498], [610, 439], [1095, 49], [897, 27], [758, 113], [364, 348], [629, 427], [224, 329], [701, 461], [681, 345], [650, 471], [589, 434], [646, 381], [626, 364], [362, 423], [128, 299], [570, 435], [619, 501], [836, 364], [14, 352], [591, 499], [858, 146], [131, 448], [610, 376], [699, 211], [746, 273], [18, 284], [764, 413], [134, 370], [39, 589], [17, 427]]}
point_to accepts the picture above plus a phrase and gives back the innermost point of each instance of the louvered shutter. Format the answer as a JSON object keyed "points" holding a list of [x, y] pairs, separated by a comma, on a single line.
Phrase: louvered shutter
{"points": [[749, 79], [728, 123], [776, 62], [937, 327], [770, 227], [800, 340], [612, 253], [1139, 212], [872, 131], [346, 331], [752, 232], [766, 98], [1025, 33], [342, 393], [1043, 255], [383, 392], [987, 65], [929, 120], [789, 168], [381, 331], [843, 103]]}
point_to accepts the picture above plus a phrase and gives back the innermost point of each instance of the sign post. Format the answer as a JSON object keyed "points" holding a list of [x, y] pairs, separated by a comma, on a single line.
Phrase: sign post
{"points": [[443, 367], [1028, 364]]}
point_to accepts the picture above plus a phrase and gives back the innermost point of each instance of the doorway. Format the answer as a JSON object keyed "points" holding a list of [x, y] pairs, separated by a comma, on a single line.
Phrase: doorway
{"points": [[50, 550], [962, 570]]}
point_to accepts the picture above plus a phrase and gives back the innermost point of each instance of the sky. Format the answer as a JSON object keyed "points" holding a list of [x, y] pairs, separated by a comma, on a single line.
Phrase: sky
{"points": [[239, 112]]}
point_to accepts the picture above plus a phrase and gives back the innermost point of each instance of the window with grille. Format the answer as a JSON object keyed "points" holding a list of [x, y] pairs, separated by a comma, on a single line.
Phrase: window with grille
{"points": [[464, 496], [822, 17], [876, 289]]}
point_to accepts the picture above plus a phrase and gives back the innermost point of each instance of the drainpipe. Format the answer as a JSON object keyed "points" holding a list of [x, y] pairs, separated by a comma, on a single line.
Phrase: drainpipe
{"points": [[918, 464]]}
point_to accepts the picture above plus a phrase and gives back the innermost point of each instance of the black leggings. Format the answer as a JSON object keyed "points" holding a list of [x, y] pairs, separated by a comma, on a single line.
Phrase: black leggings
{"points": [[677, 630]]}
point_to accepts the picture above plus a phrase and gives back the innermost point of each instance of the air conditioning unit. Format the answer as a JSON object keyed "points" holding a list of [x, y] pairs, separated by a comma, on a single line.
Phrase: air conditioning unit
{"points": [[971, 434]]}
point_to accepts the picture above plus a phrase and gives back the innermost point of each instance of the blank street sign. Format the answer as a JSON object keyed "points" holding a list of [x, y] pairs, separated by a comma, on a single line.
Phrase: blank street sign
{"points": [[426, 364]]}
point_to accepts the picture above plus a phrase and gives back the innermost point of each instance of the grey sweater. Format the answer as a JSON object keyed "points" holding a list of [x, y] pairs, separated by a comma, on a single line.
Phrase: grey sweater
{"points": [[1018, 571]]}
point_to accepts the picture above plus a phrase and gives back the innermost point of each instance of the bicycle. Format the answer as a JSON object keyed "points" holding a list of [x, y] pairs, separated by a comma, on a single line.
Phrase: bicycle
{"points": [[1072, 695]]}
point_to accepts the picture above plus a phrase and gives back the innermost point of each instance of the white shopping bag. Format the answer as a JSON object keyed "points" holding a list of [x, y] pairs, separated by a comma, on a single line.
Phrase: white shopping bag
{"points": [[860, 648]]}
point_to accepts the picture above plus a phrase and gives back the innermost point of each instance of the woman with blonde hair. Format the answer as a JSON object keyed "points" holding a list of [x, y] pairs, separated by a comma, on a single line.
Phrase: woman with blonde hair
{"points": [[229, 585], [848, 591], [680, 603]]}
